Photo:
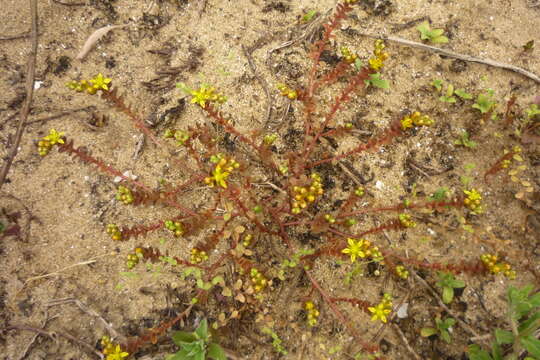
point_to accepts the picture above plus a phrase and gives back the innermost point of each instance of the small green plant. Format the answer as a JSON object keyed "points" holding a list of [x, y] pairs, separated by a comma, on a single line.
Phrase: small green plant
{"points": [[532, 111], [524, 320], [433, 35], [276, 341], [448, 283], [484, 102], [448, 97], [440, 194], [441, 328], [375, 80], [197, 345], [464, 140], [308, 16], [463, 94]]}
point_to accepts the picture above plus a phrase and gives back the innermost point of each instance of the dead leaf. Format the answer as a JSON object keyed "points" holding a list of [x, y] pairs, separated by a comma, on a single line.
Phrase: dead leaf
{"points": [[93, 39]]}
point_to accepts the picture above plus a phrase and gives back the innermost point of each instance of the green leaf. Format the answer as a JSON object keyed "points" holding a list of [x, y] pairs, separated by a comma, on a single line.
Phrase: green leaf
{"points": [[202, 330], [448, 99], [439, 40], [180, 355], [216, 352], [530, 325], [182, 337], [445, 335], [462, 94], [476, 353], [447, 294], [375, 80], [308, 16], [496, 351], [437, 83], [428, 331], [504, 337], [532, 345]]}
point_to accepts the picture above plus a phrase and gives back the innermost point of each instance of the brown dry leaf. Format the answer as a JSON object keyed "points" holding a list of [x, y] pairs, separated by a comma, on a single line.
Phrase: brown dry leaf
{"points": [[240, 297], [238, 285]]}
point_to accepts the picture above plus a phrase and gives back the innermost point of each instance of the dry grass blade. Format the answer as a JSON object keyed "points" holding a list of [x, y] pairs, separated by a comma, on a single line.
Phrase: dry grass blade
{"points": [[94, 38]]}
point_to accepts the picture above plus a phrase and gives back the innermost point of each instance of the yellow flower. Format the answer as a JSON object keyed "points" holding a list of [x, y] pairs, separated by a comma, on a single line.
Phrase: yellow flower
{"points": [[473, 201], [54, 137], [100, 83], [117, 354], [206, 93], [354, 249], [379, 312]]}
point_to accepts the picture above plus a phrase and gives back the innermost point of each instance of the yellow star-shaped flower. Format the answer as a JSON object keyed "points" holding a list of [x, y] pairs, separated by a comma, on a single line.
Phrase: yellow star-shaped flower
{"points": [[100, 83], [379, 312], [118, 354], [354, 249], [54, 137]]}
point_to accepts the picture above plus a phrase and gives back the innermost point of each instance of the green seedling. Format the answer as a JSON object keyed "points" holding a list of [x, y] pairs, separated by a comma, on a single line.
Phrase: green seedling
{"points": [[529, 46], [437, 83], [276, 341], [440, 194], [532, 111], [463, 94], [523, 316], [309, 16], [375, 80], [197, 345], [448, 283], [464, 140], [441, 329], [485, 102], [433, 35], [448, 97]]}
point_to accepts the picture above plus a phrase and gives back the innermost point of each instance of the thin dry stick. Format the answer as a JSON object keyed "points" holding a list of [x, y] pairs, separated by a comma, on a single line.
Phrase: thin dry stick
{"points": [[463, 324], [455, 55], [36, 335], [87, 262], [31, 69], [406, 342], [52, 335], [59, 115], [90, 312], [247, 53]]}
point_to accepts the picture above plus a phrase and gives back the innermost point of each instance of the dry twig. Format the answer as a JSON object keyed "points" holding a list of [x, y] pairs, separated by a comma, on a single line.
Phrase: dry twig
{"points": [[31, 69], [455, 55], [90, 312], [262, 82]]}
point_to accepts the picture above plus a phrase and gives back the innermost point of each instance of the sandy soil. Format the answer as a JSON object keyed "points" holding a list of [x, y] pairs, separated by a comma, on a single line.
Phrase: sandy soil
{"points": [[63, 206]]}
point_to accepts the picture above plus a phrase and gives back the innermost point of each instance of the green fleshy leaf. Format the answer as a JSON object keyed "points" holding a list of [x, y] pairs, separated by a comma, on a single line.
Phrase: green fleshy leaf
{"points": [[216, 352]]}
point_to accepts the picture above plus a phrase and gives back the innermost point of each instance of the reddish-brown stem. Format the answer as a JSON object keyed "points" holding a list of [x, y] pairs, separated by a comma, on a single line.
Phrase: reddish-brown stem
{"points": [[354, 83], [393, 131], [458, 202]]}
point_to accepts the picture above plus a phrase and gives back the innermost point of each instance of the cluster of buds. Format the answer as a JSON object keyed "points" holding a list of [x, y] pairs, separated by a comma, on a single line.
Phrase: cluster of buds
{"points": [[492, 263], [402, 272], [258, 280], [362, 249], [133, 259], [406, 221], [287, 91], [205, 94], [359, 191], [198, 256], [416, 119], [348, 56], [124, 195], [180, 136], [377, 62], [176, 227], [473, 201], [304, 195], [90, 86], [269, 139], [312, 313], [329, 218], [111, 350], [247, 240], [381, 310], [221, 171], [114, 232], [47, 142]]}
